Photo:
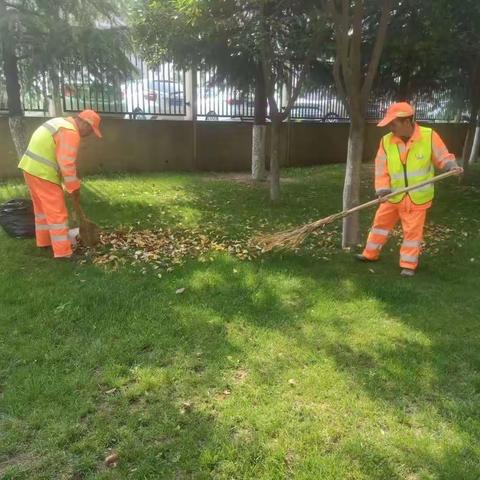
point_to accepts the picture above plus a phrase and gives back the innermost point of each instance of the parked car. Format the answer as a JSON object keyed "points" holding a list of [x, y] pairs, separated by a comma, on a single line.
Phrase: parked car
{"points": [[320, 110], [149, 98], [216, 104]]}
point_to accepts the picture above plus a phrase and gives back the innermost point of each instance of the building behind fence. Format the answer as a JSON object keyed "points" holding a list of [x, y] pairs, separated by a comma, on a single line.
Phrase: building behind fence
{"points": [[166, 92]]}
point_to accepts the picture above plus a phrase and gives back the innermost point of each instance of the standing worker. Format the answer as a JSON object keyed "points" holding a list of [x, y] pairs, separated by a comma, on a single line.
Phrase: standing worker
{"points": [[49, 161], [406, 157]]}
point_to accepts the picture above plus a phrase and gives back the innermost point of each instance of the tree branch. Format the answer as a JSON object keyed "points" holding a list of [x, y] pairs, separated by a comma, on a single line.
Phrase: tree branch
{"points": [[305, 68], [339, 84], [377, 50], [269, 77], [341, 69], [298, 86], [356, 45]]}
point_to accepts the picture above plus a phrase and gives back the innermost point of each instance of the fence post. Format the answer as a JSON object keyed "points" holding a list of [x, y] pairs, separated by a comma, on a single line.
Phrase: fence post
{"points": [[193, 96], [476, 144]]}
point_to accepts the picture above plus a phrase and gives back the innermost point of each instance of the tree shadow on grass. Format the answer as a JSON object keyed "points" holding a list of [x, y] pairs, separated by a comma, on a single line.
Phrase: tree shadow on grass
{"points": [[118, 360], [426, 371]]}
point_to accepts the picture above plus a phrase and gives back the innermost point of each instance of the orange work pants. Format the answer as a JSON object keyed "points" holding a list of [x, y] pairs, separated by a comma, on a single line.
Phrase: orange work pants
{"points": [[51, 215], [413, 221]]}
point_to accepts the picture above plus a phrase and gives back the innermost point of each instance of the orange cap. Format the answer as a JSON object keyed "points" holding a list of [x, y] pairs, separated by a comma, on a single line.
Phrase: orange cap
{"points": [[396, 110], [93, 119]]}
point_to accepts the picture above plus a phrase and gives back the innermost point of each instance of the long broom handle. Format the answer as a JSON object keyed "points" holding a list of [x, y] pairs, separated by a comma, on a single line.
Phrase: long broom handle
{"points": [[371, 203]]}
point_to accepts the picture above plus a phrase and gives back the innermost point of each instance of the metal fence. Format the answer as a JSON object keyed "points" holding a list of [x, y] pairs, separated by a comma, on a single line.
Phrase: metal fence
{"points": [[217, 100], [164, 91], [150, 93], [33, 94]]}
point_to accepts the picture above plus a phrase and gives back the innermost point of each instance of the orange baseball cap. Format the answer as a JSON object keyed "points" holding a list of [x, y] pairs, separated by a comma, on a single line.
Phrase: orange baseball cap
{"points": [[93, 119], [396, 110]]}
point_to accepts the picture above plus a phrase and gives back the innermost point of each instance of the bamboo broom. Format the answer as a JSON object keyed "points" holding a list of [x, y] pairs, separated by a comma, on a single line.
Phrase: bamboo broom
{"points": [[89, 231], [293, 238]]}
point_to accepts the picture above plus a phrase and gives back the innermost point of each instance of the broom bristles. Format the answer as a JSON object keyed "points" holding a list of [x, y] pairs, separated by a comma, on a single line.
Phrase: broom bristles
{"points": [[294, 238], [290, 239]]}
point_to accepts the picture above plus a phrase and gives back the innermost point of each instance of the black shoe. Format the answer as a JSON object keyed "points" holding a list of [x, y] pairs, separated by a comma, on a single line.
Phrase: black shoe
{"points": [[407, 272], [362, 258]]}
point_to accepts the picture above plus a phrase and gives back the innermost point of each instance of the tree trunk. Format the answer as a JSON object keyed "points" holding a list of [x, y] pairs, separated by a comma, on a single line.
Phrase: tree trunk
{"points": [[275, 159], [259, 128], [10, 69], [474, 113], [259, 134], [351, 189], [476, 144], [57, 107], [404, 90], [467, 146]]}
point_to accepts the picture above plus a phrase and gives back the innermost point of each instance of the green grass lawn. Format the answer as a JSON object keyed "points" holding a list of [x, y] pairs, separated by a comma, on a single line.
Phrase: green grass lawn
{"points": [[299, 365]]}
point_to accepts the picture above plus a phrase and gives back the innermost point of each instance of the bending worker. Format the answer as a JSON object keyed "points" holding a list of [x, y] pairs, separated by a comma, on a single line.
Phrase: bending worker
{"points": [[406, 157], [49, 161]]}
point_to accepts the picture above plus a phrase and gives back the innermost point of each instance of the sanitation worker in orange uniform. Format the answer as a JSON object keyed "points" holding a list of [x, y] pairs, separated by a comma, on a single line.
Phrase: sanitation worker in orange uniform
{"points": [[50, 161], [407, 156]]}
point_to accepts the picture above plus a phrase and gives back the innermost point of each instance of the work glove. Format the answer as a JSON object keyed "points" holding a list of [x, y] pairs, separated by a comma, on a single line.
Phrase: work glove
{"points": [[452, 165], [382, 193]]}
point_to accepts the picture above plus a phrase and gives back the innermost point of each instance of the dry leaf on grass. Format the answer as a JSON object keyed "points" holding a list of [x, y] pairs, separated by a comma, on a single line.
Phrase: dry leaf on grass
{"points": [[186, 407], [111, 460]]}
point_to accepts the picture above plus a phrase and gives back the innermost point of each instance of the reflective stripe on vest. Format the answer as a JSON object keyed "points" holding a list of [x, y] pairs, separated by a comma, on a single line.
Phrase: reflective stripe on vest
{"points": [[40, 158], [417, 169]]}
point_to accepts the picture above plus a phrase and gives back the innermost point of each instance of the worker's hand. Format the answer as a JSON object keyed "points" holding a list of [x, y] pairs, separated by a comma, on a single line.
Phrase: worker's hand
{"points": [[383, 193], [453, 166]]}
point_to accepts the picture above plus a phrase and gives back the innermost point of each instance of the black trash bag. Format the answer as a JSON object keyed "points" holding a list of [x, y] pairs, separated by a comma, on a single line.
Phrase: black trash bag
{"points": [[17, 218]]}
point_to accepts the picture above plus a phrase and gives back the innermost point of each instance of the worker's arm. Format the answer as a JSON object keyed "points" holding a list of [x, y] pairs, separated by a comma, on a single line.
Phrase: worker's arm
{"points": [[67, 143], [441, 157], [382, 177]]}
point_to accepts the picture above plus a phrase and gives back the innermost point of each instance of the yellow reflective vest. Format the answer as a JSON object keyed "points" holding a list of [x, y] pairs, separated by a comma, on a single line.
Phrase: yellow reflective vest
{"points": [[40, 159], [417, 169]]}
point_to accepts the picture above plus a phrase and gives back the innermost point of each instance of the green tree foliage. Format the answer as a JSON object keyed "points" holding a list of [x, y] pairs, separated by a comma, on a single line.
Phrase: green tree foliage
{"points": [[36, 36]]}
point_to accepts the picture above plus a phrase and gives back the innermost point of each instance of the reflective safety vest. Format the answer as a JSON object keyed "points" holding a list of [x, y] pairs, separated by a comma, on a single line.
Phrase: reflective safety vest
{"points": [[40, 159], [417, 169]]}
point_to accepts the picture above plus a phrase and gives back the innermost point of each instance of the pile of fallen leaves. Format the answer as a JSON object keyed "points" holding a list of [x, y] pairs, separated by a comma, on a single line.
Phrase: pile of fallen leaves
{"points": [[163, 248]]}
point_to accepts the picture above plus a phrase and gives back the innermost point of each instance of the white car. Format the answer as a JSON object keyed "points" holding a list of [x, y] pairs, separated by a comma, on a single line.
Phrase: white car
{"points": [[149, 99], [220, 104]]}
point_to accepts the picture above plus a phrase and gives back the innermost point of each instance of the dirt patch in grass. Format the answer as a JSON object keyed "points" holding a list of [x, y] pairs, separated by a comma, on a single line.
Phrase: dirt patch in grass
{"points": [[21, 462]]}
